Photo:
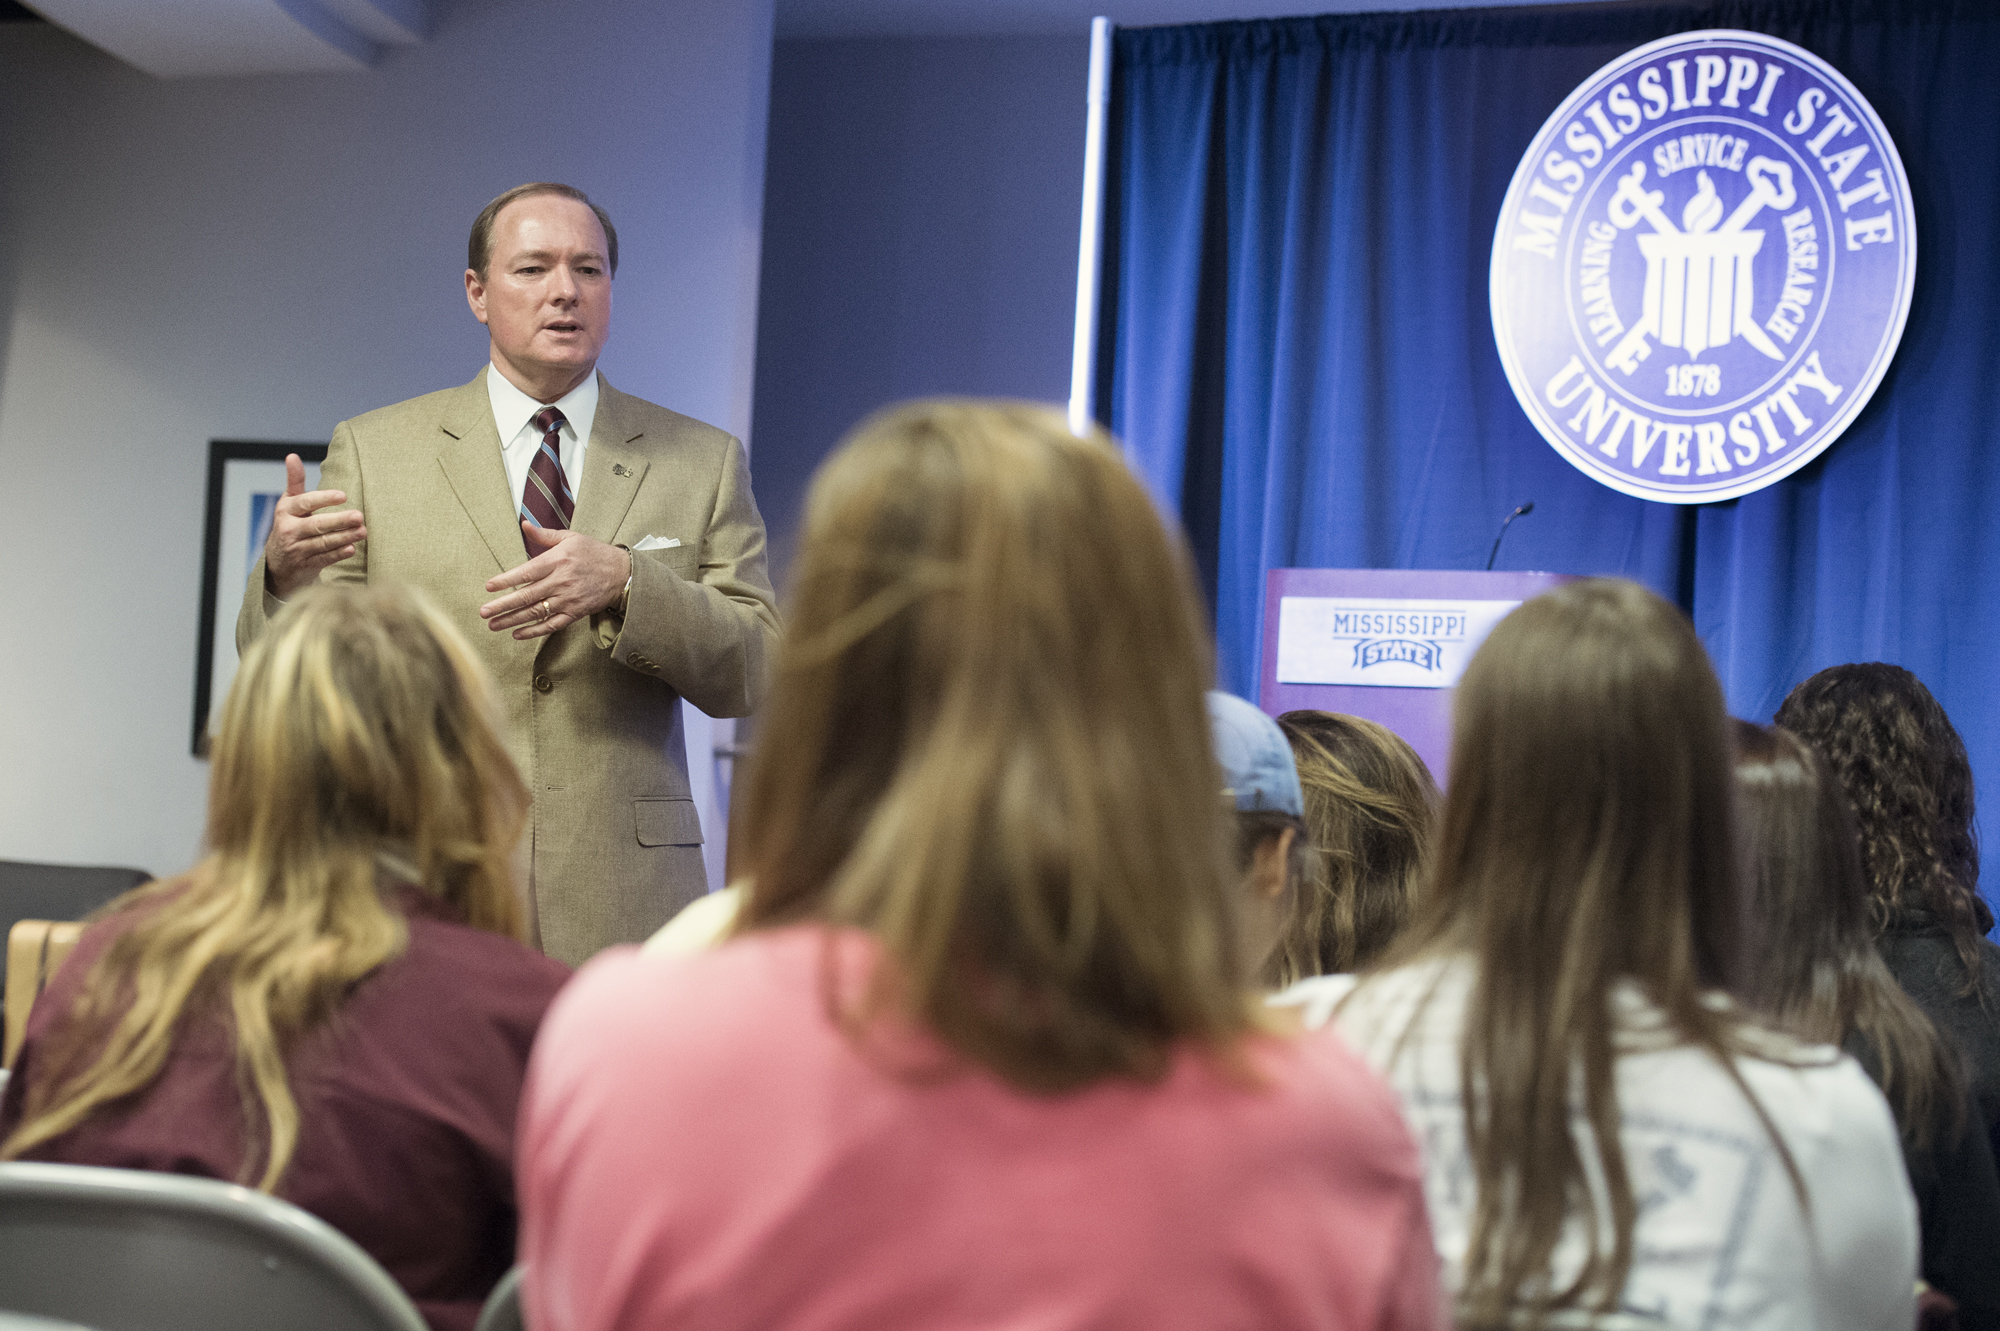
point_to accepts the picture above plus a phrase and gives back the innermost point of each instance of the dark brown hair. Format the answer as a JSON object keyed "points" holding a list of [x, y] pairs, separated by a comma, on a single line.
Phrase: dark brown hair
{"points": [[1370, 808], [1818, 974], [986, 744], [1906, 775], [479, 246], [1586, 843]]}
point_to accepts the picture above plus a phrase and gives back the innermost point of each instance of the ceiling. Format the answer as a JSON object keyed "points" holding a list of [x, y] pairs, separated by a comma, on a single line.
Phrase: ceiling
{"points": [[970, 18], [187, 38], [193, 38]]}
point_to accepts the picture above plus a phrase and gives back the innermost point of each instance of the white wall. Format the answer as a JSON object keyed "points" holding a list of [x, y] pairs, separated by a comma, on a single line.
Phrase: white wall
{"points": [[258, 258]]}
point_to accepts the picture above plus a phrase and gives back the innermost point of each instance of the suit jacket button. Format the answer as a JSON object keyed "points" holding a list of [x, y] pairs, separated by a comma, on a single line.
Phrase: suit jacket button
{"points": [[543, 683]]}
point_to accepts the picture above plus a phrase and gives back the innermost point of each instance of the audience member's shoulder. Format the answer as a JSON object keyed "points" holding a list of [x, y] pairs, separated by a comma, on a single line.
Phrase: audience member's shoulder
{"points": [[1340, 1106], [1827, 1107], [1989, 975], [449, 953], [750, 981], [1819, 1096], [101, 933], [700, 925], [1432, 990], [1315, 998]]}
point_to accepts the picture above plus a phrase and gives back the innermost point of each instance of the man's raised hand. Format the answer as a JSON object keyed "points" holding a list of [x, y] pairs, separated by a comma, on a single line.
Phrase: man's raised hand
{"points": [[303, 540]]}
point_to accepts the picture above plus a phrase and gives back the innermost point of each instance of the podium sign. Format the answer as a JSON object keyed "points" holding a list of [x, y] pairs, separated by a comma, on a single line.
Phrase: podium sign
{"points": [[1381, 642], [1386, 644]]}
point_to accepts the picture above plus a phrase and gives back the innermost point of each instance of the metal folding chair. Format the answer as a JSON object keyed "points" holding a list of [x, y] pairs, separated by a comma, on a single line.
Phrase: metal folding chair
{"points": [[125, 1250], [502, 1311]]}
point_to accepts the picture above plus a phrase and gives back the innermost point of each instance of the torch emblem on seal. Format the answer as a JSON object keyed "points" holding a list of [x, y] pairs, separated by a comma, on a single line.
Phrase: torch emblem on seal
{"points": [[1700, 283]]}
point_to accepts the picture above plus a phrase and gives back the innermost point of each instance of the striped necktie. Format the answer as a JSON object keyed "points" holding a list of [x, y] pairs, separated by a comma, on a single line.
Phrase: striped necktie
{"points": [[545, 499]]}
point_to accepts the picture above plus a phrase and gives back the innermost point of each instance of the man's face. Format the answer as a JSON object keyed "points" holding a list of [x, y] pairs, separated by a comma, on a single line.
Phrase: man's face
{"points": [[546, 296]]}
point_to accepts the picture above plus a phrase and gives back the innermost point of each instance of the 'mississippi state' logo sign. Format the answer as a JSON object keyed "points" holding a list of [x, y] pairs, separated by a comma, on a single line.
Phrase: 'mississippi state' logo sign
{"points": [[1703, 266]]}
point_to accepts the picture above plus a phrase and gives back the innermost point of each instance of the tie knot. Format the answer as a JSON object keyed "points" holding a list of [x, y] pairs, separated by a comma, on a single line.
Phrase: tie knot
{"points": [[547, 419]]}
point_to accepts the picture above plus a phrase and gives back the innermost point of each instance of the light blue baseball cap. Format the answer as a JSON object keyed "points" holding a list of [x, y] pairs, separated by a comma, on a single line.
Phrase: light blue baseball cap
{"points": [[1258, 773]]}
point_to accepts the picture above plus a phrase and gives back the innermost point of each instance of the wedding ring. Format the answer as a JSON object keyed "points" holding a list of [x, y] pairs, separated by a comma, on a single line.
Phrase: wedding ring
{"points": [[545, 609]]}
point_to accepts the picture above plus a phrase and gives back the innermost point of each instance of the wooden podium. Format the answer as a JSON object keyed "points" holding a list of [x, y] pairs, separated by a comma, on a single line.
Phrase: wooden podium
{"points": [[1385, 644]]}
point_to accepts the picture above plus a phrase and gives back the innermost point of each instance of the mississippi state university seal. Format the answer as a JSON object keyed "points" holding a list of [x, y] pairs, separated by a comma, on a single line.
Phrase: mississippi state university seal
{"points": [[1703, 266]]}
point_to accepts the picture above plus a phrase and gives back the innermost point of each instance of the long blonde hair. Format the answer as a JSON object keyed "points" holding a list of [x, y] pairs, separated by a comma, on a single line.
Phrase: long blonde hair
{"points": [[1587, 841], [1370, 808], [359, 728], [986, 743]]}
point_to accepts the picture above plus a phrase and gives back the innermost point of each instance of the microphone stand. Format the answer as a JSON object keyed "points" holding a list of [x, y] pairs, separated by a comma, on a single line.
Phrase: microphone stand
{"points": [[1520, 512]]}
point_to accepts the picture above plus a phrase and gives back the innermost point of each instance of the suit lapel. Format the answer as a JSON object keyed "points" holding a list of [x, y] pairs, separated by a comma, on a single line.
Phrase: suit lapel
{"points": [[469, 453], [612, 467]]}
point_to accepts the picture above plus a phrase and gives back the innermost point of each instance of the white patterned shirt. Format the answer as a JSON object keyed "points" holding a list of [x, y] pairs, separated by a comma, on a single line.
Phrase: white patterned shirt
{"points": [[1721, 1243]]}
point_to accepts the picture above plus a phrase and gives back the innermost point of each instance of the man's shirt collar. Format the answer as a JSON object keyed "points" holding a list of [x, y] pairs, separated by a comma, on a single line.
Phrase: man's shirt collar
{"points": [[512, 408]]}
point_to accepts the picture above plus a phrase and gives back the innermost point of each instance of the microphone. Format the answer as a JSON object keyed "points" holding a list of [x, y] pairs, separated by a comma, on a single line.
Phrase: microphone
{"points": [[1520, 512]]}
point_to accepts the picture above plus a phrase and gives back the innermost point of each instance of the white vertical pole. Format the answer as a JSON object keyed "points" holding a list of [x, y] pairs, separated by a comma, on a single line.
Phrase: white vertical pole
{"points": [[1089, 256]]}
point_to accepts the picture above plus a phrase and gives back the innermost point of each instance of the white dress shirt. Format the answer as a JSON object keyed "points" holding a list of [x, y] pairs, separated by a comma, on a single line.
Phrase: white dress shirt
{"points": [[513, 412]]}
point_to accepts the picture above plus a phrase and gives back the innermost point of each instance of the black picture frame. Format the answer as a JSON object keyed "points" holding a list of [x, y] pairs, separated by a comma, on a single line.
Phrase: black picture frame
{"points": [[223, 454]]}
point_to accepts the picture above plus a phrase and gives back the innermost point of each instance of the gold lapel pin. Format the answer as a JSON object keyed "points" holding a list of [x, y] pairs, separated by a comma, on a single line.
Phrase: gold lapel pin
{"points": [[620, 469]]}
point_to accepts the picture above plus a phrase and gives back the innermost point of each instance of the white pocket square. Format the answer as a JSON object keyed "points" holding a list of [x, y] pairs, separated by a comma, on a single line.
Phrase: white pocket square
{"points": [[658, 543]]}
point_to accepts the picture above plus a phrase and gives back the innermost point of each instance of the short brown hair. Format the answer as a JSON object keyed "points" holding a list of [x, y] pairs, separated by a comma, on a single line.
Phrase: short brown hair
{"points": [[479, 247]]}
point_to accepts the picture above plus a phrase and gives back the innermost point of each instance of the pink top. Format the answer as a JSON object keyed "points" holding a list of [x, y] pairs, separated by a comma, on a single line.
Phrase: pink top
{"points": [[701, 1147]]}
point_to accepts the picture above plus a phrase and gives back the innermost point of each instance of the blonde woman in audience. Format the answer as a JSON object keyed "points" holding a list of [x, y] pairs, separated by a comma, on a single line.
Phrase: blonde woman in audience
{"points": [[1370, 805], [1608, 1139], [1818, 975], [984, 1048], [334, 1006]]}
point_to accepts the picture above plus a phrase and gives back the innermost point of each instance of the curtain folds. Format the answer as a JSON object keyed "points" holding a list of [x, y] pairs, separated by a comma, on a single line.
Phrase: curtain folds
{"points": [[1297, 349]]}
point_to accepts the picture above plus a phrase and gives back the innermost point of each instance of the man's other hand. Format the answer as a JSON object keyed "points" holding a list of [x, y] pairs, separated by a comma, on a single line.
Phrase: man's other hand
{"points": [[574, 576], [303, 540]]}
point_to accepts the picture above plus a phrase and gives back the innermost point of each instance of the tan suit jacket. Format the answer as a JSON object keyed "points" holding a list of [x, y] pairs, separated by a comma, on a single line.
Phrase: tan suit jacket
{"points": [[615, 843]]}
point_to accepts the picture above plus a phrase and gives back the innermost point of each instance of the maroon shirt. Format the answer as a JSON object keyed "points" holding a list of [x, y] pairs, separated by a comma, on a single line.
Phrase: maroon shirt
{"points": [[406, 1100]]}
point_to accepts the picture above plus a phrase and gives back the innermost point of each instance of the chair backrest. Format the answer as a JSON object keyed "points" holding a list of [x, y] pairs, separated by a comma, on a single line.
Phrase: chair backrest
{"points": [[35, 950], [23, 1322], [59, 891], [502, 1311], [124, 1250]]}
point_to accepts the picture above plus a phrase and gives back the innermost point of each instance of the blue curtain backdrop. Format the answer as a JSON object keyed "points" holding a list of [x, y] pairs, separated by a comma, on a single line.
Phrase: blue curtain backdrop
{"points": [[1297, 349]]}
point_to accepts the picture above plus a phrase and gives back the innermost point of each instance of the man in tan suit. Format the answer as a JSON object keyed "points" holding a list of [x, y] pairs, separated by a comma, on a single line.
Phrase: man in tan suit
{"points": [[605, 558]]}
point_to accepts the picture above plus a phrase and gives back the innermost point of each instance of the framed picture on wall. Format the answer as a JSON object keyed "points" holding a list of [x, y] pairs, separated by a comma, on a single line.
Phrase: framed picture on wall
{"points": [[245, 482]]}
